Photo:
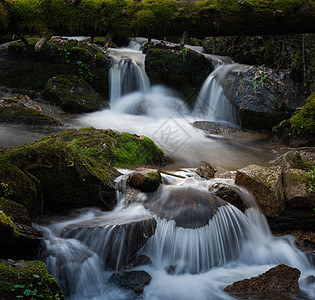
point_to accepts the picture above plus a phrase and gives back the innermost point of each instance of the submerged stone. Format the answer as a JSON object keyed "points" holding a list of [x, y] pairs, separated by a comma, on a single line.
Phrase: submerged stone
{"points": [[131, 280], [189, 207]]}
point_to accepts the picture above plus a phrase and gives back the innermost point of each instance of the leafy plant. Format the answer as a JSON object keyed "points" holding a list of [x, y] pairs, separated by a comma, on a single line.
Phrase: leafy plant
{"points": [[65, 55], [260, 78], [311, 175], [7, 191], [185, 54]]}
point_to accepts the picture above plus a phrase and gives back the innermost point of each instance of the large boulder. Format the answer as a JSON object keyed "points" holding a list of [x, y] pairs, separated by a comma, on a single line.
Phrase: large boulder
{"points": [[78, 165], [72, 94], [146, 180], [24, 279], [189, 207], [278, 280], [289, 160], [262, 96], [131, 280], [265, 183]]}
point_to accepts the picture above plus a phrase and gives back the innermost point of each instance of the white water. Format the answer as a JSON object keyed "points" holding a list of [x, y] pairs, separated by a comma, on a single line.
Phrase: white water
{"points": [[186, 263], [158, 112]]}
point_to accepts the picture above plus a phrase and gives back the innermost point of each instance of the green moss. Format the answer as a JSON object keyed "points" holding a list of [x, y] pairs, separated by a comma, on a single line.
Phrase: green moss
{"points": [[303, 123], [21, 114], [28, 279], [17, 212], [6, 225], [135, 151]]}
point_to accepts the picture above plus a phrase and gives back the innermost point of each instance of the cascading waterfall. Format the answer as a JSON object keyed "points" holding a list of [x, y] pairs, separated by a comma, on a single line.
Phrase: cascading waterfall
{"points": [[82, 251], [212, 104]]}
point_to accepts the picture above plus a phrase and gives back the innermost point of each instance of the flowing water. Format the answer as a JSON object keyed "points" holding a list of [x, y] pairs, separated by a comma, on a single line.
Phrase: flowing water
{"points": [[193, 260]]}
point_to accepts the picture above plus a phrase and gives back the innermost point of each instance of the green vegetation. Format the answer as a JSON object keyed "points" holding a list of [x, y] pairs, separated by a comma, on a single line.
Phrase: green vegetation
{"points": [[157, 17], [27, 280], [303, 123], [7, 226]]}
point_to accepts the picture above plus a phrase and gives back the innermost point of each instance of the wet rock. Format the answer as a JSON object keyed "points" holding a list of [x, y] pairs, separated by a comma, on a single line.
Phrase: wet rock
{"points": [[72, 94], [142, 260], [215, 127], [131, 280], [189, 207], [122, 238], [304, 239], [297, 189], [205, 170], [226, 193], [262, 96], [224, 173], [280, 279], [146, 180], [265, 183], [289, 160]]}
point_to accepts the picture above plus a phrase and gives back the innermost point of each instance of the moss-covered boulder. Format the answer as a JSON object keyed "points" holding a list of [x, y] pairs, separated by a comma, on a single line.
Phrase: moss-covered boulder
{"points": [[77, 165], [146, 180], [290, 160], [73, 94], [265, 183], [27, 280], [22, 67], [299, 130], [15, 112]]}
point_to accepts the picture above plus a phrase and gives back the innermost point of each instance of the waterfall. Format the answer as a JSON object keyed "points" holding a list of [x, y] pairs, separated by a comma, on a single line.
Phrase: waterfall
{"points": [[127, 73], [212, 104]]}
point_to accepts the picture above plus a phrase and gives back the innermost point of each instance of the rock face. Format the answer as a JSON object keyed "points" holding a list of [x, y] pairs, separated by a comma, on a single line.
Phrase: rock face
{"points": [[289, 160], [29, 276], [189, 207], [266, 186], [205, 170], [297, 189], [146, 180], [132, 280], [72, 94], [280, 279], [121, 239], [262, 96]]}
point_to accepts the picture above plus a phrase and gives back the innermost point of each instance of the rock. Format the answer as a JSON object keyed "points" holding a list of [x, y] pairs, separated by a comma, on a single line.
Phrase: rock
{"points": [[146, 180], [265, 183], [262, 97], [205, 170], [280, 279], [189, 207], [226, 193], [19, 114], [142, 260], [121, 238], [72, 94], [289, 160], [215, 127], [19, 278], [223, 173], [131, 280], [25, 68], [78, 165], [299, 130], [304, 239], [297, 189]]}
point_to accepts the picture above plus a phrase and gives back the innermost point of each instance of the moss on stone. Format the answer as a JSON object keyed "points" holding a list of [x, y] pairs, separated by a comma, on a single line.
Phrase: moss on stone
{"points": [[135, 151], [15, 211], [72, 94], [7, 226], [303, 123], [18, 113], [27, 280]]}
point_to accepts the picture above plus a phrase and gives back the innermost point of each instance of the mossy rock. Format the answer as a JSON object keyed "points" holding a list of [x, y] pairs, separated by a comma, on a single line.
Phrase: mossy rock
{"points": [[59, 50], [18, 113], [73, 94], [7, 227], [15, 211], [146, 180], [27, 280], [299, 130], [77, 165], [18, 186]]}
